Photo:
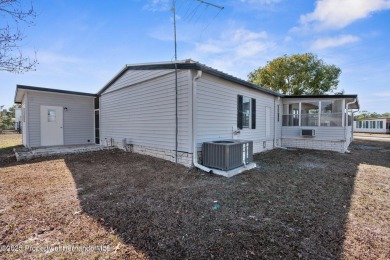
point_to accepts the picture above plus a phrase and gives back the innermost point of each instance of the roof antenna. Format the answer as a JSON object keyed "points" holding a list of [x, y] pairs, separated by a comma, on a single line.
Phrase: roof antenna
{"points": [[176, 87]]}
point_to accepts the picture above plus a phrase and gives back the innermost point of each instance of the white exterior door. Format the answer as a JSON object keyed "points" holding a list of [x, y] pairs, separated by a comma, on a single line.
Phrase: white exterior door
{"points": [[52, 132]]}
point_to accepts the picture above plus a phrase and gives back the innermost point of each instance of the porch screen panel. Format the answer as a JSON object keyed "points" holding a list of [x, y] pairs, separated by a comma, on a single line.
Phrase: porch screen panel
{"points": [[309, 113], [331, 113], [291, 114]]}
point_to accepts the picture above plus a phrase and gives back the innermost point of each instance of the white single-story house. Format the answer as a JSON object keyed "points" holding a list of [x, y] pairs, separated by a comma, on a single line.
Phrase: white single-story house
{"points": [[373, 125], [144, 110]]}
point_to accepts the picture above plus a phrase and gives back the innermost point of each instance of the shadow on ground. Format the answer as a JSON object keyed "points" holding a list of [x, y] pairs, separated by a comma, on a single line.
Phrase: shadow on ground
{"points": [[294, 205]]}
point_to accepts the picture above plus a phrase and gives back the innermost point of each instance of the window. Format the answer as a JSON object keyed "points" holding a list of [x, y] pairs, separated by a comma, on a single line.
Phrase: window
{"points": [[309, 113], [291, 114], [96, 103], [331, 114], [97, 120], [246, 112], [278, 112], [51, 115], [380, 124], [97, 125], [316, 113]]}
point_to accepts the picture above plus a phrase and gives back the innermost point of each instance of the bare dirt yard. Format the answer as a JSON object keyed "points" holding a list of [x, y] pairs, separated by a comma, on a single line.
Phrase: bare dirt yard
{"points": [[111, 204]]}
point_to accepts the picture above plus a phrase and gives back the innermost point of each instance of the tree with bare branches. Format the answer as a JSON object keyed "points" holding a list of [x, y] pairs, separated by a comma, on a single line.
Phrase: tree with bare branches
{"points": [[14, 14]]}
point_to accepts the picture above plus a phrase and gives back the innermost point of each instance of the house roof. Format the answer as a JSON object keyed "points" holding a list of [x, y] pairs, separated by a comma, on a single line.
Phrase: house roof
{"points": [[182, 64], [21, 89], [187, 64], [348, 98]]}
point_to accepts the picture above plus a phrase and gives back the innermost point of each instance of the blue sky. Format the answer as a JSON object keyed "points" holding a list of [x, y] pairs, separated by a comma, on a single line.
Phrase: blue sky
{"points": [[81, 45]]}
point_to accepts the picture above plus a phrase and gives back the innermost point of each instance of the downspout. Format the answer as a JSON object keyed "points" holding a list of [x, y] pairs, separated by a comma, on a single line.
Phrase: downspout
{"points": [[346, 119], [353, 120], [194, 146], [274, 123], [176, 115], [280, 113]]}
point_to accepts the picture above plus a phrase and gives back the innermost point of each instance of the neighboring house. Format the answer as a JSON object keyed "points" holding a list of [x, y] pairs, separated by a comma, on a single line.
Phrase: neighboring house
{"points": [[18, 118], [137, 110], [374, 125]]}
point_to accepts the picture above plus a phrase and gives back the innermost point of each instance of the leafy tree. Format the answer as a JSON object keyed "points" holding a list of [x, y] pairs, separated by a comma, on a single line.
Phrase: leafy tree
{"points": [[299, 74], [11, 36], [361, 115], [12, 109], [6, 117]]}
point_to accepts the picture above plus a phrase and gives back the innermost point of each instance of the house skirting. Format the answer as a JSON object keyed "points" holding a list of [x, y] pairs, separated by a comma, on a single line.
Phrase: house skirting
{"points": [[307, 143], [184, 158]]}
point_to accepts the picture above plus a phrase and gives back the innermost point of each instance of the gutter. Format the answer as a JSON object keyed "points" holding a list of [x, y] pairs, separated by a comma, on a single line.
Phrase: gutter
{"points": [[194, 145]]}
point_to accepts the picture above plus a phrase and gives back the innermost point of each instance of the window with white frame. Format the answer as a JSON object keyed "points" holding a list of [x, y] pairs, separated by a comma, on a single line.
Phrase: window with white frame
{"points": [[246, 112]]}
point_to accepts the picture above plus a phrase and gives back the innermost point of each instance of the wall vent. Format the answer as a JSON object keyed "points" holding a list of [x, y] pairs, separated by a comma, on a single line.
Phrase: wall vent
{"points": [[308, 132], [227, 154]]}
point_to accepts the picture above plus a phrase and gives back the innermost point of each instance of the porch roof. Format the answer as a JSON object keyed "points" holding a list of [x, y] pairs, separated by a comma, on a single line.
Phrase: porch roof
{"points": [[21, 89], [348, 98]]}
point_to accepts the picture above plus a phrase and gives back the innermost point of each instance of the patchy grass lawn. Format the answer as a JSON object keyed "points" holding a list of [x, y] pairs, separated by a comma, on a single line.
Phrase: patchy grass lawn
{"points": [[7, 143], [296, 204]]}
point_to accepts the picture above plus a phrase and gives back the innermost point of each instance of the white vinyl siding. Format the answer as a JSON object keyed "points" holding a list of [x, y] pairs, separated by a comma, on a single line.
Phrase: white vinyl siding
{"points": [[78, 119], [268, 122], [143, 111], [132, 77], [217, 112], [25, 121]]}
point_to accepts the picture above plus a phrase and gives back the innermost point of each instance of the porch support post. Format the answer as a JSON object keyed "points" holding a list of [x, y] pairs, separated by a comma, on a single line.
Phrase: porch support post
{"points": [[343, 114], [300, 113]]}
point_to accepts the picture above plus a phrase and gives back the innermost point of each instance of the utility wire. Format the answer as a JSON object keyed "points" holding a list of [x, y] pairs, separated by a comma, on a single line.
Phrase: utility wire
{"points": [[207, 26], [194, 11]]}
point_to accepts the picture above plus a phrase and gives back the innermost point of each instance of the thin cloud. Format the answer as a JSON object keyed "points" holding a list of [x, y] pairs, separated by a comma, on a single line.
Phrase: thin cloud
{"points": [[337, 14], [382, 94], [158, 5], [332, 42], [261, 2], [51, 57], [235, 51]]}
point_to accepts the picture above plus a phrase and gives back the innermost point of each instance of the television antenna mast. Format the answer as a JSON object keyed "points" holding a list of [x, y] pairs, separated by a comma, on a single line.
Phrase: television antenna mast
{"points": [[175, 42], [174, 18]]}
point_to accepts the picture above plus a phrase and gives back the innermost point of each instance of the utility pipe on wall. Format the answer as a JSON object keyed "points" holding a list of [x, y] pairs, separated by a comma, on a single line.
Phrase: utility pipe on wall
{"points": [[194, 145], [346, 118]]}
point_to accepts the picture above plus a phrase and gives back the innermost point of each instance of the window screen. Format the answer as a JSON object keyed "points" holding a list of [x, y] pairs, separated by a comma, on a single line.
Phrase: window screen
{"points": [[51, 115]]}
